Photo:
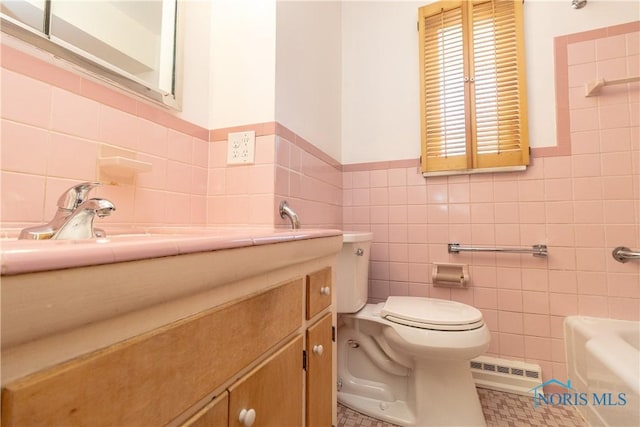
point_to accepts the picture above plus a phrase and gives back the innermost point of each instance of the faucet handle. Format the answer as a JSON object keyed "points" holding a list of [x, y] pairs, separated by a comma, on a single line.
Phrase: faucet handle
{"points": [[74, 196]]}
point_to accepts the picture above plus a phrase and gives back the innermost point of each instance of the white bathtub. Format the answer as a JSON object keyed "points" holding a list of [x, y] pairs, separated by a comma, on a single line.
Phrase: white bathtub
{"points": [[603, 361]]}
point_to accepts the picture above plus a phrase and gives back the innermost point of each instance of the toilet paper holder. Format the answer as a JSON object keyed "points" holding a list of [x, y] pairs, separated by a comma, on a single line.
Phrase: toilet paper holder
{"points": [[450, 275]]}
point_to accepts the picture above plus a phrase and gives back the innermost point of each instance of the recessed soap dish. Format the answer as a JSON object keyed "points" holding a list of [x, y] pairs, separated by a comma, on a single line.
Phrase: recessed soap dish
{"points": [[118, 167]]}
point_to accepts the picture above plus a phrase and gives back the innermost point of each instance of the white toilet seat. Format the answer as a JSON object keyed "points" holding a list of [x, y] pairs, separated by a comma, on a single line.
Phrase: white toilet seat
{"points": [[432, 314]]}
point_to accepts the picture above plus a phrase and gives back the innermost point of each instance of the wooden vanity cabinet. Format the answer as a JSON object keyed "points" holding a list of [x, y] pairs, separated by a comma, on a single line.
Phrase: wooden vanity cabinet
{"points": [[252, 350]]}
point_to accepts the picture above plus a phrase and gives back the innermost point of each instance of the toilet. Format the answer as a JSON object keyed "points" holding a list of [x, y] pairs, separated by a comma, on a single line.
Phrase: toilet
{"points": [[404, 361]]}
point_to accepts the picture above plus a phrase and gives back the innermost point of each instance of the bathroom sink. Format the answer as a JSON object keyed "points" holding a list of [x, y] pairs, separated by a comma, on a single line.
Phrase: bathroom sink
{"points": [[177, 231], [110, 236], [133, 233], [130, 234]]}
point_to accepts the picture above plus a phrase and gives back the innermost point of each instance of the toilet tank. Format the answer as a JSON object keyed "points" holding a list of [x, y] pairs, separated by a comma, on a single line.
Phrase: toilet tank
{"points": [[352, 271]]}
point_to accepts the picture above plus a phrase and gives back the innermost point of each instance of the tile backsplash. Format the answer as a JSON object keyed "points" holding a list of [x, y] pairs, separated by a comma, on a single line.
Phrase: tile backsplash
{"points": [[55, 125], [286, 168]]}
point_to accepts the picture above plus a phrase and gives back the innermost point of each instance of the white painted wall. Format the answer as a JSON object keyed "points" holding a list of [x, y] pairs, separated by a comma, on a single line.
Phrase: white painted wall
{"points": [[380, 92], [308, 71], [196, 54], [380, 119], [242, 66], [346, 78]]}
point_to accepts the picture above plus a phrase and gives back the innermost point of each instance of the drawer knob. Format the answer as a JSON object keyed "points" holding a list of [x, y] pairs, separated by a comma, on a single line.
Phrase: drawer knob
{"points": [[247, 417], [325, 290], [360, 252], [318, 349]]}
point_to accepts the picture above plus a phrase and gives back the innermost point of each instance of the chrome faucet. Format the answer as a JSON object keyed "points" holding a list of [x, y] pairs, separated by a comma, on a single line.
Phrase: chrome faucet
{"points": [[74, 217], [285, 210], [79, 224]]}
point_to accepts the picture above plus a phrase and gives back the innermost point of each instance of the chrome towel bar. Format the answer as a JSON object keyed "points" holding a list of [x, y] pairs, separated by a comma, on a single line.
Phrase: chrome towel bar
{"points": [[624, 254], [536, 250]]}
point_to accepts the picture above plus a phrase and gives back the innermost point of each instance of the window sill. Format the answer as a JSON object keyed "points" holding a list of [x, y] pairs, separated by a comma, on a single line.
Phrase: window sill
{"points": [[474, 171]]}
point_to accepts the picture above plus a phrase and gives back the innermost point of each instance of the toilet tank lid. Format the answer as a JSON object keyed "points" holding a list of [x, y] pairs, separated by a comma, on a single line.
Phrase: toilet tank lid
{"points": [[356, 236]]}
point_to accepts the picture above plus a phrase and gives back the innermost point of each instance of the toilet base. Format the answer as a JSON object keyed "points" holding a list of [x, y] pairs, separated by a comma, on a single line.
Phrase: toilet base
{"points": [[446, 394], [397, 412]]}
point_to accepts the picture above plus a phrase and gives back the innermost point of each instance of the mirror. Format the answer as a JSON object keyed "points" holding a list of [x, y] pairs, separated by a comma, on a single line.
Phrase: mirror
{"points": [[133, 43]]}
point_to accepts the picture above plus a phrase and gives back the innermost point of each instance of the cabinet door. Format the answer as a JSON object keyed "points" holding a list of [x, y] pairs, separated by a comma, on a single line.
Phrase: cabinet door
{"points": [[319, 376], [318, 291], [215, 414], [271, 394]]}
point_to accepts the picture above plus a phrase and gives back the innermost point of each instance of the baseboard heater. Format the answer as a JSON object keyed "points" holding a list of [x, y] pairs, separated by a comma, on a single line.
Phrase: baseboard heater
{"points": [[510, 376]]}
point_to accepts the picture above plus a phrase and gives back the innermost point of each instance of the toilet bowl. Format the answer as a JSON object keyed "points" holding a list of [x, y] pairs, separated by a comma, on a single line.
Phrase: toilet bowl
{"points": [[404, 361]]}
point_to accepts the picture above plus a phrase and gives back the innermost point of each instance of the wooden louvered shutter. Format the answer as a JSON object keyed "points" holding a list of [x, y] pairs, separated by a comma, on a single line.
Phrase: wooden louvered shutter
{"points": [[445, 129], [499, 98], [473, 98]]}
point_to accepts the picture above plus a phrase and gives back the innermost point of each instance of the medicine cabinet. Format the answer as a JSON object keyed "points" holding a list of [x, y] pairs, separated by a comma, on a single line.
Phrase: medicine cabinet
{"points": [[134, 44]]}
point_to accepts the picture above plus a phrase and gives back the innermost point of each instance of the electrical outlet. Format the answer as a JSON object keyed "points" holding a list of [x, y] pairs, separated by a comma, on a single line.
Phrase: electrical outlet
{"points": [[242, 147]]}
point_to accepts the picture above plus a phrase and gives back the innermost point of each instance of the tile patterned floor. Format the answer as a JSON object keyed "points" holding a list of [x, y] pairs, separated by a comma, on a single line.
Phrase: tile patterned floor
{"points": [[500, 410]]}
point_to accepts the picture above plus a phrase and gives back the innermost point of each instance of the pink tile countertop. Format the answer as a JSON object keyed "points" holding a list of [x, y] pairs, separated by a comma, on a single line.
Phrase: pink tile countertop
{"points": [[26, 256]]}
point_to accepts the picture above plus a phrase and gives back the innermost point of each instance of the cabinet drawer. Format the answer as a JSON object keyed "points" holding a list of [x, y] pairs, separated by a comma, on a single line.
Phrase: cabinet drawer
{"points": [[319, 290], [152, 378]]}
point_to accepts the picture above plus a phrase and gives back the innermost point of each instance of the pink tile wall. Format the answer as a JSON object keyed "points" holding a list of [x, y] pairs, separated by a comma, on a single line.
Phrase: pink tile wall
{"points": [[309, 180], [242, 195], [55, 125], [581, 200], [286, 168]]}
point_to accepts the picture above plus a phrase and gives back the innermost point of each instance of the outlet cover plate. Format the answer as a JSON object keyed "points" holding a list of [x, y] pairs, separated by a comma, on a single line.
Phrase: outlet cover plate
{"points": [[241, 148]]}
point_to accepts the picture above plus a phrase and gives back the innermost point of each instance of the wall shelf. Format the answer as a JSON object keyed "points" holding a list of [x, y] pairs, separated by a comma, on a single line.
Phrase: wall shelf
{"points": [[121, 169]]}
